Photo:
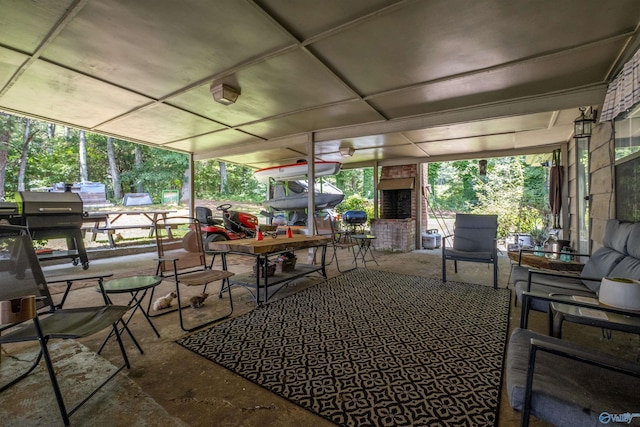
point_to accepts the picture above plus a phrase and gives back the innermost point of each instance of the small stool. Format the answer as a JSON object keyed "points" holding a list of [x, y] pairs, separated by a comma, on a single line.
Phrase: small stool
{"points": [[364, 248]]}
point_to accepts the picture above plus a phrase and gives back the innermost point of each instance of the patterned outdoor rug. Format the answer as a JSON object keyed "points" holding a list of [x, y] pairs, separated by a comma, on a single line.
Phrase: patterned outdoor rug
{"points": [[374, 348]]}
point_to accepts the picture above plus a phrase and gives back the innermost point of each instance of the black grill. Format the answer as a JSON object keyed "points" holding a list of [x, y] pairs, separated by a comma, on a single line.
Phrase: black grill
{"points": [[354, 217], [50, 215], [50, 210]]}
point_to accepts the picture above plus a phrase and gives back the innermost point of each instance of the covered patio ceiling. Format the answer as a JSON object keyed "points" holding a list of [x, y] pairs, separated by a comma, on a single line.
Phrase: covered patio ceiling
{"points": [[396, 81]]}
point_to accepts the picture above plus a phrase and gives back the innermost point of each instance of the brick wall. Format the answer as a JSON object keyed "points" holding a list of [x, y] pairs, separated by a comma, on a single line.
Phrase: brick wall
{"points": [[398, 235], [403, 171]]}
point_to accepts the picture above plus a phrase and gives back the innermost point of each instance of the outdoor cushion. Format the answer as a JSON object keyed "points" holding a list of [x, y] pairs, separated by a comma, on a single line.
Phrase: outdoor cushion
{"points": [[600, 264], [633, 244], [566, 392], [468, 255], [475, 233], [616, 235], [629, 267], [618, 257]]}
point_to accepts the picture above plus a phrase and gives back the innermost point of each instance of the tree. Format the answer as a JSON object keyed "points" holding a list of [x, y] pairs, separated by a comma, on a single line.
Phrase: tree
{"points": [[113, 170], [26, 139], [186, 188], [223, 178], [82, 157], [138, 157], [6, 128]]}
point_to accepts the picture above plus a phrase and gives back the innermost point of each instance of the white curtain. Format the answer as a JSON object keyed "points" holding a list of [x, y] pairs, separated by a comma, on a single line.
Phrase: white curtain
{"points": [[624, 91]]}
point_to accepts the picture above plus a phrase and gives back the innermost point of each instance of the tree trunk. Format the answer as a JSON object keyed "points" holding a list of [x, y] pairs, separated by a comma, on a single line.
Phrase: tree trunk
{"points": [[51, 131], [113, 170], [6, 125], [223, 178], [138, 154], [186, 187], [26, 139], [82, 150]]}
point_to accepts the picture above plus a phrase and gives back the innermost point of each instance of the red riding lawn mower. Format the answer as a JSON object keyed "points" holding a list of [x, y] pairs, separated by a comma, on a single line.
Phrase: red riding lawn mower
{"points": [[233, 224]]}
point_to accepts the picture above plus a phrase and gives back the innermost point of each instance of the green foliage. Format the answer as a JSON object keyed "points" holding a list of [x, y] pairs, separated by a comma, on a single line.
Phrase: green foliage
{"points": [[514, 191], [241, 184], [511, 189], [355, 202], [355, 181]]}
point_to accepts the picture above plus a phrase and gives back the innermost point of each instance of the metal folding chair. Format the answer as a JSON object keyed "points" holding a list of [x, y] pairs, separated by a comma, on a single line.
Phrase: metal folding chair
{"points": [[27, 312], [181, 256]]}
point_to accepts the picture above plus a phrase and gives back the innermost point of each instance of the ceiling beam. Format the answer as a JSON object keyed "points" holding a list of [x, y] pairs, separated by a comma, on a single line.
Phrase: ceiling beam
{"points": [[589, 95]]}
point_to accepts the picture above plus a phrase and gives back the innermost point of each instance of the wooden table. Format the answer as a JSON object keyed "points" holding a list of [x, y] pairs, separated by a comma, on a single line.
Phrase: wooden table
{"points": [[535, 261], [270, 246], [109, 218]]}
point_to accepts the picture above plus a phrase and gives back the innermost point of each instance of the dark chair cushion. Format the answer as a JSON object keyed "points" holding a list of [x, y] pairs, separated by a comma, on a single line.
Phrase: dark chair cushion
{"points": [[628, 267], [464, 255], [600, 264], [633, 244], [616, 235], [566, 392], [475, 233]]}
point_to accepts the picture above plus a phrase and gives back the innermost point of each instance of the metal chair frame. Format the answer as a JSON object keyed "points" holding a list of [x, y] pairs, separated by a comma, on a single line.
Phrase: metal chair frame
{"points": [[184, 260], [25, 297]]}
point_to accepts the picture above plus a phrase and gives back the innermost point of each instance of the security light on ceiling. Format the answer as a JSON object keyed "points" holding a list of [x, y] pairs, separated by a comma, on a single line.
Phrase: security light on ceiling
{"points": [[224, 94], [347, 151]]}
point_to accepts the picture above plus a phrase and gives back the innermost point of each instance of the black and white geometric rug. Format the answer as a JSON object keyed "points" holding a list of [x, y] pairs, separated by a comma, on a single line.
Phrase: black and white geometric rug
{"points": [[372, 348]]}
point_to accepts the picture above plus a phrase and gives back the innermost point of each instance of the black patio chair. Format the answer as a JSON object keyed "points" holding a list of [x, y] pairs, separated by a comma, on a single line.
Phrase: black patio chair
{"points": [[474, 240], [27, 312], [184, 260]]}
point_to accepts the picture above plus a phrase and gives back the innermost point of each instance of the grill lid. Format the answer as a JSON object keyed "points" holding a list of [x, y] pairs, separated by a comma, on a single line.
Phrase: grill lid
{"points": [[354, 217], [49, 203]]}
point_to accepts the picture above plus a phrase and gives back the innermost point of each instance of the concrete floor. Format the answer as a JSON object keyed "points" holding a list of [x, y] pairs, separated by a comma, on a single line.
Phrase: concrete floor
{"points": [[197, 392]]}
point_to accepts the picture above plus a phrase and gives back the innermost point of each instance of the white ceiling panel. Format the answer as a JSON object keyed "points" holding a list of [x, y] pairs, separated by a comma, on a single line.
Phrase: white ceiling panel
{"points": [[157, 47], [480, 144], [331, 116], [214, 141], [482, 127], [49, 91], [269, 89], [146, 124]]}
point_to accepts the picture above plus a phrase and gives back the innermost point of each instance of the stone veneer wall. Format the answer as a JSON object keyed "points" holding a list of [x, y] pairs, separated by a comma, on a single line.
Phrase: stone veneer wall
{"points": [[398, 235], [602, 205]]}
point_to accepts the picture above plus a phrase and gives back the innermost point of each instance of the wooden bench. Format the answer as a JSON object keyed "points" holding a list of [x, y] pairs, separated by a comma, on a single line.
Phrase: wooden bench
{"points": [[110, 231], [103, 224]]}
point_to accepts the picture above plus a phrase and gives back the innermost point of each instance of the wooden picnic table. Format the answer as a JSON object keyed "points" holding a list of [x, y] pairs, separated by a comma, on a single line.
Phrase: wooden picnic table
{"points": [[105, 222]]}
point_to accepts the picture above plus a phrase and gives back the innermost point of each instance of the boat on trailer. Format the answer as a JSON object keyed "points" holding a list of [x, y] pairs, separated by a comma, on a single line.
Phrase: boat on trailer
{"points": [[296, 171], [294, 194]]}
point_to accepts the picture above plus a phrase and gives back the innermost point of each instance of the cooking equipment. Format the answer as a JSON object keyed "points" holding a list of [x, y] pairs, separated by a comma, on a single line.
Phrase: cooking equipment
{"points": [[9, 213], [354, 217], [53, 215]]}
